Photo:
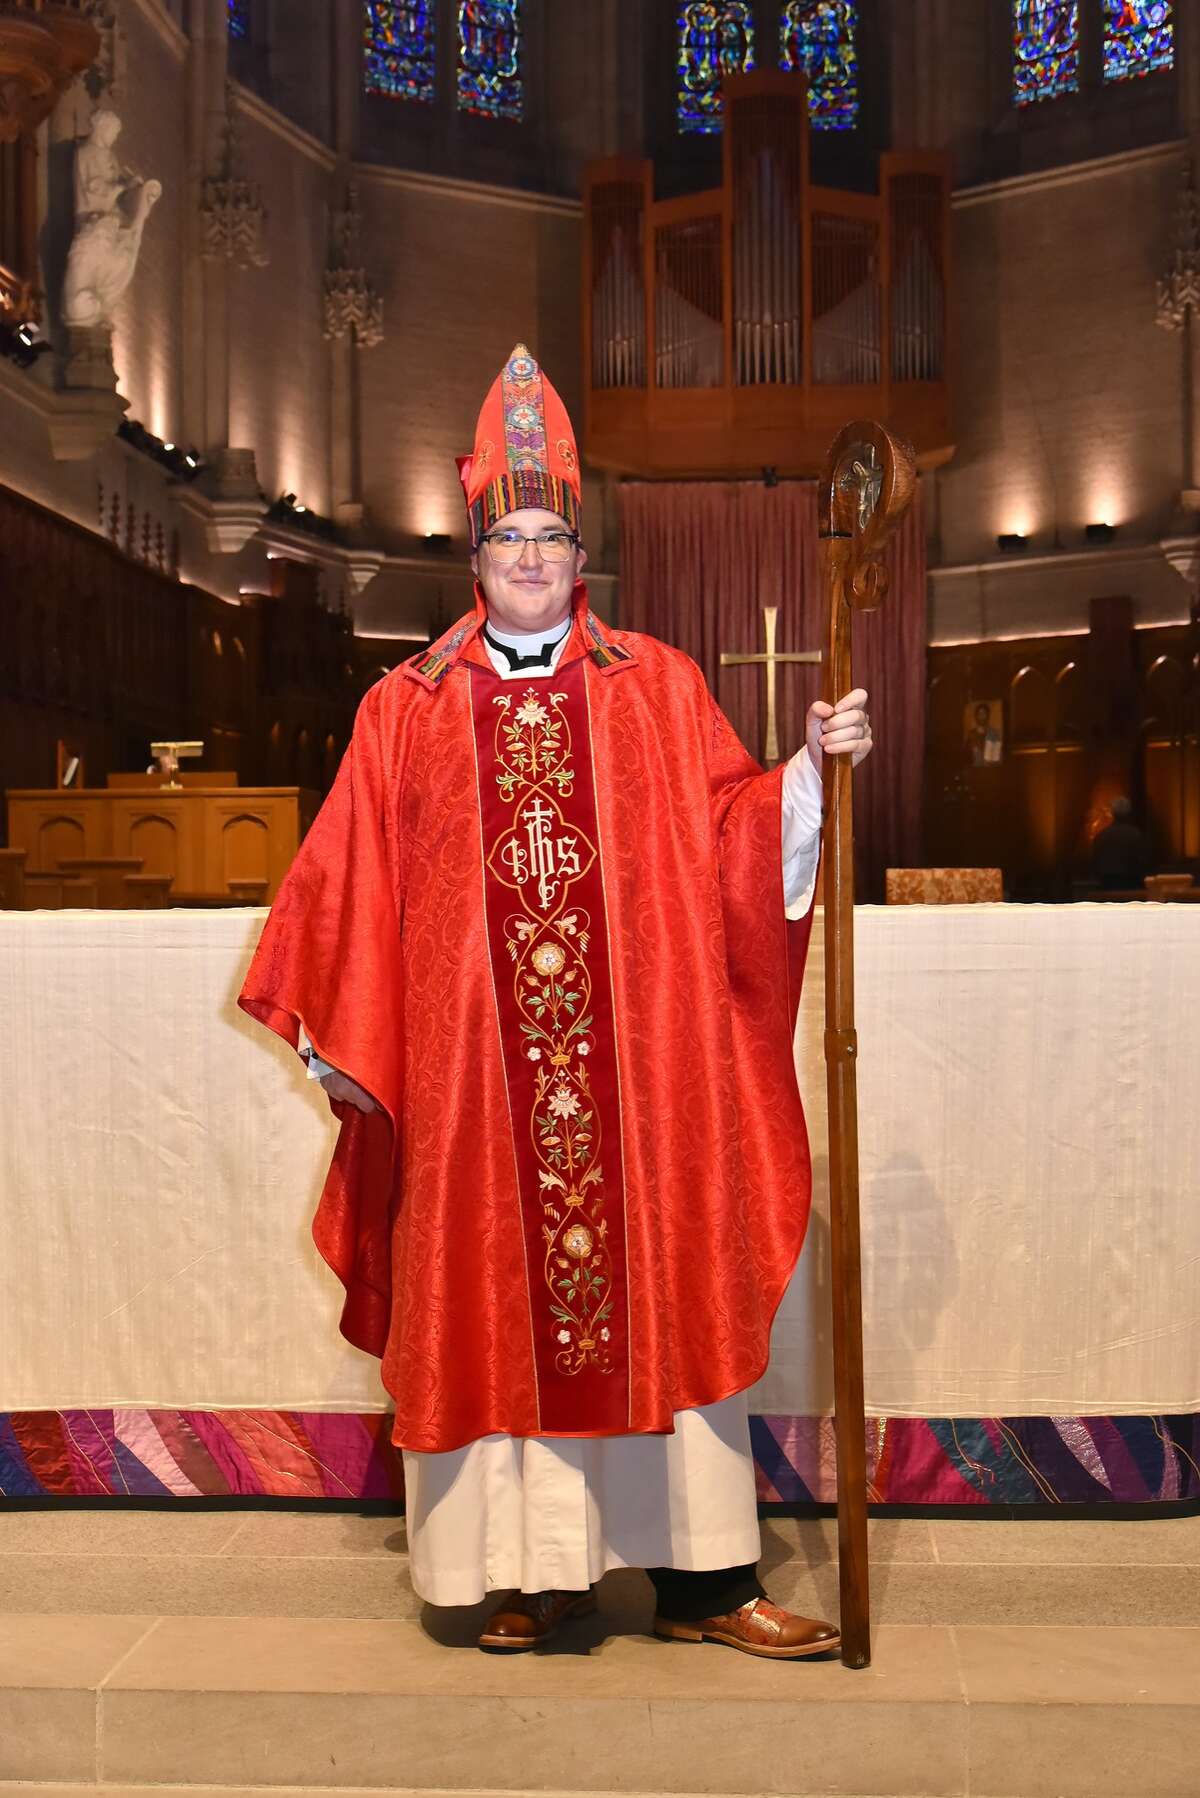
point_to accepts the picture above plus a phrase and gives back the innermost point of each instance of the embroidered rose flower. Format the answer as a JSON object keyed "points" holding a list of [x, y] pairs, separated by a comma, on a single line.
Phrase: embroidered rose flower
{"points": [[534, 1054], [604, 1334], [577, 1241], [582, 1049], [532, 713], [563, 1102], [564, 1335], [549, 959]]}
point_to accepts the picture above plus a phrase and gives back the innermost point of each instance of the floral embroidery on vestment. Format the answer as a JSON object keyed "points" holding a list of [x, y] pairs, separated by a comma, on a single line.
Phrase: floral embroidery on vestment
{"points": [[541, 856]]}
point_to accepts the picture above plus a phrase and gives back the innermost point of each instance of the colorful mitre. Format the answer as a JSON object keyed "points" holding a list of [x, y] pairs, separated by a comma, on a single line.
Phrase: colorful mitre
{"points": [[525, 452]]}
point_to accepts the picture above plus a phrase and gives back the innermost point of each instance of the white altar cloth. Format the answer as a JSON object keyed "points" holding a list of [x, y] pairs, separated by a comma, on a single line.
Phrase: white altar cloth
{"points": [[1029, 1086]]}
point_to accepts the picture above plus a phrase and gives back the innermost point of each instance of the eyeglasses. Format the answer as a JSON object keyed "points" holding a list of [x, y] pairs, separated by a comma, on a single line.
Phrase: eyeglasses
{"points": [[509, 546]]}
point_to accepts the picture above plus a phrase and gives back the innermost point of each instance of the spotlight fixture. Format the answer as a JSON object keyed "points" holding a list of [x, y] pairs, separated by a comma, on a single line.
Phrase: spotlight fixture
{"points": [[1012, 543], [1100, 533], [288, 510], [22, 343], [183, 465], [770, 477], [437, 542]]}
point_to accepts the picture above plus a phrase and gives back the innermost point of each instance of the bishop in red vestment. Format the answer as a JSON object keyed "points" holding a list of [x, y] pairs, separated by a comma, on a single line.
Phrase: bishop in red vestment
{"points": [[536, 943]]}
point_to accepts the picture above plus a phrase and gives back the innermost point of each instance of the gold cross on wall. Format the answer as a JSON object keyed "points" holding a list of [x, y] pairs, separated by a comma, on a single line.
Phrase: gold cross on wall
{"points": [[771, 660]]}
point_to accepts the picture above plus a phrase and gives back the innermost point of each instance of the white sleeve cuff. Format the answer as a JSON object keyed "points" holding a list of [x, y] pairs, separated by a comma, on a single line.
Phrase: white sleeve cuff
{"points": [[803, 793], [317, 1069], [802, 801]]}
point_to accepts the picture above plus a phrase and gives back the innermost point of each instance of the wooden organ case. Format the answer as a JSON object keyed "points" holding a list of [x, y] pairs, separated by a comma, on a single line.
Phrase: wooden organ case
{"points": [[734, 331]]}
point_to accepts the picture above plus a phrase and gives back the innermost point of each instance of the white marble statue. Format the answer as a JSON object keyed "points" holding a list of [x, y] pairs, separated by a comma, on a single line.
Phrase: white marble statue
{"points": [[111, 208]]}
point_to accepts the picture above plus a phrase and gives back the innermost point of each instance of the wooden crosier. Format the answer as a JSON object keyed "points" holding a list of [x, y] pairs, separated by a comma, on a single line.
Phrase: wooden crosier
{"points": [[866, 488]]}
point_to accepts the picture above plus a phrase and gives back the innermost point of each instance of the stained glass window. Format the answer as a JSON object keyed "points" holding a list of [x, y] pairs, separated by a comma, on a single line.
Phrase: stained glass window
{"points": [[818, 37], [714, 40], [1138, 37], [489, 58], [399, 49], [1045, 49], [238, 14]]}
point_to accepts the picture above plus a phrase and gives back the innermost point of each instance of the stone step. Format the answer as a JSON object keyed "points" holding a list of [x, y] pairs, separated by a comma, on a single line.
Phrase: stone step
{"points": [[295, 1564], [335, 1704], [19, 1788]]}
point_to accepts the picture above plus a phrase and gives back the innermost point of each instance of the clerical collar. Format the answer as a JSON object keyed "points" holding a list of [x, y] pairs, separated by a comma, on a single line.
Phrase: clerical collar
{"points": [[525, 650]]}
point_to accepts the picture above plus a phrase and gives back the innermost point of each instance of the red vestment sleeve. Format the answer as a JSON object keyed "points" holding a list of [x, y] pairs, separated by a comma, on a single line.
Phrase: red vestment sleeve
{"points": [[329, 959], [765, 953], [748, 810]]}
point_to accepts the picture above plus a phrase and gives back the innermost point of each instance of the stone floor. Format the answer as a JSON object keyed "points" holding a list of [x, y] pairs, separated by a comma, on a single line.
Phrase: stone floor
{"points": [[220, 1653]]}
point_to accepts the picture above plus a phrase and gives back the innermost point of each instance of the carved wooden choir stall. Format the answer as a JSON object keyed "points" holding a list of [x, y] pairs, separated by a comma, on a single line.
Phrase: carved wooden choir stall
{"points": [[135, 843], [104, 654]]}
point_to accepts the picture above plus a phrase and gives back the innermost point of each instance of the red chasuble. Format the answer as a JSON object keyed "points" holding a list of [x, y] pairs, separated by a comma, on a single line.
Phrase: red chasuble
{"points": [[542, 923]]}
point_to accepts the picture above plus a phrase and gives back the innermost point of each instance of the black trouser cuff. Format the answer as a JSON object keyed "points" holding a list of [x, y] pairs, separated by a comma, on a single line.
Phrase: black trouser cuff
{"points": [[685, 1597]]}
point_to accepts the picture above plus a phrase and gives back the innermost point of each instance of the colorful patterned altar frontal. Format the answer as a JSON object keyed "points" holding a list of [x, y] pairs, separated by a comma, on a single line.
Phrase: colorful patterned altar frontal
{"points": [[198, 1454], [525, 453], [548, 936], [981, 1462], [296, 1456]]}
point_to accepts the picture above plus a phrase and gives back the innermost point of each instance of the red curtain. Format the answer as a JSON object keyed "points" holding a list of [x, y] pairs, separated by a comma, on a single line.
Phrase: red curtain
{"points": [[699, 562]]}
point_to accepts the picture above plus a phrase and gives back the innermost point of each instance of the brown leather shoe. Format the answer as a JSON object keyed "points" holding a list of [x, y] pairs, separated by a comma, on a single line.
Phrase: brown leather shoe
{"points": [[532, 1617], [759, 1627]]}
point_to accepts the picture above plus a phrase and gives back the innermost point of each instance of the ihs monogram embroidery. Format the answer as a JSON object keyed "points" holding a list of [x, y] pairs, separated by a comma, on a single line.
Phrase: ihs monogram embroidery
{"points": [[541, 857], [544, 857]]}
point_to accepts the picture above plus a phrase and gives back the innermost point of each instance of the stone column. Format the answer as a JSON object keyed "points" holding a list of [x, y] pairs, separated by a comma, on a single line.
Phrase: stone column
{"points": [[345, 421], [345, 424], [1110, 660], [205, 283], [1187, 63], [225, 233], [924, 74], [927, 54], [904, 30], [1187, 72], [1177, 303]]}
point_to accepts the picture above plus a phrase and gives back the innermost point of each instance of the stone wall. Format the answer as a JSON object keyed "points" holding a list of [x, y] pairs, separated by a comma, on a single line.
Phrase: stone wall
{"points": [[1068, 400], [466, 268], [279, 373]]}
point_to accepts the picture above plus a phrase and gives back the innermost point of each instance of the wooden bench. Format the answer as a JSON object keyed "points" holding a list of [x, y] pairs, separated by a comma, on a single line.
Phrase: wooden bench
{"points": [[12, 879], [59, 892], [147, 892], [108, 872]]}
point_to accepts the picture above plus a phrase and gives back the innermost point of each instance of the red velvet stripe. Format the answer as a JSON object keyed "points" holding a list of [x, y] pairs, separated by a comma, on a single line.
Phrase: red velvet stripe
{"points": [[548, 941]]}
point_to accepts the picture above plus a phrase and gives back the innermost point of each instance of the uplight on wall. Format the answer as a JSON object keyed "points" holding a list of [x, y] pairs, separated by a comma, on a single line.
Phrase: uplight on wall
{"points": [[184, 464], [289, 510], [1012, 543], [1100, 533]]}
